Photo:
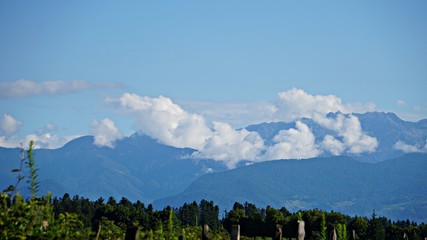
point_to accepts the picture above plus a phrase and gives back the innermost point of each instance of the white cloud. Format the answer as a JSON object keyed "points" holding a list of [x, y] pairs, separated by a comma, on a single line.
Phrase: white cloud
{"points": [[296, 142], [170, 124], [47, 140], [231, 146], [296, 103], [333, 145], [349, 128], [9, 125], [167, 122], [164, 120], [402, 146], [24, 88], [8, 143], [43, 137], [105, 133]]}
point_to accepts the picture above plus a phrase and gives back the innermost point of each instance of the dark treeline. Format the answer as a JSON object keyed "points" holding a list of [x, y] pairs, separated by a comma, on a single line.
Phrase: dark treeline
{"points": [[120, 215], [80, 218]]}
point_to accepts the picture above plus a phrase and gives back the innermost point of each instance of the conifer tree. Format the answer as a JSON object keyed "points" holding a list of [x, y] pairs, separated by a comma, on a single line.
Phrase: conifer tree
{"points": [[323, 228]]}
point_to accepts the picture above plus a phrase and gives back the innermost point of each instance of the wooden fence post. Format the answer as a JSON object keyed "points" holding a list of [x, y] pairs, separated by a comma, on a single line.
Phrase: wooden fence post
{"points": [[301, 230], [132, 233], [235, 232], [278, 234], [205, 232]]}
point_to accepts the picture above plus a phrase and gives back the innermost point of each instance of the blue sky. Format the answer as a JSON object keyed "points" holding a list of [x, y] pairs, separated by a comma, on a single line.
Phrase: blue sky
{"points": [[223, 60]]}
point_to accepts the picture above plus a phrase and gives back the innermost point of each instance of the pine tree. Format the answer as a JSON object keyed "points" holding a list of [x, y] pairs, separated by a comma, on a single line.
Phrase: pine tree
{"points": [[375, 229]]}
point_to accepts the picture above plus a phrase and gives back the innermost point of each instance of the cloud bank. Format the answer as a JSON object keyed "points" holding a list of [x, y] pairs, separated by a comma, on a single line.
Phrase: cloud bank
{"points": [[296, 103], [170, 124], [167, 122], [407, 148], [25, 88], [43, 137]]}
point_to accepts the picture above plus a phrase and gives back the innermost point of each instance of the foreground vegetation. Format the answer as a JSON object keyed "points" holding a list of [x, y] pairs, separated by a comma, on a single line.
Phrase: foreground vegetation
{"points": [[80, 218]]}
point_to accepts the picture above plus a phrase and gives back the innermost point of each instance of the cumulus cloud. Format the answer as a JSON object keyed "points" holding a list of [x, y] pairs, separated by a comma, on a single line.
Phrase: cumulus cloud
{"points": [[298, 142], [9, 125], [24, 88], [296, 103], [170, 124], [167, 122], [105, 133], [231, 146], [407, 148], [332, 145], [349, 128]]}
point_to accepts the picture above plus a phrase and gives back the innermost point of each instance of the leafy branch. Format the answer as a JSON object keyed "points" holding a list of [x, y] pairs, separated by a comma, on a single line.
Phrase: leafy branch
{"points": [[13, 188], [34, 184]]}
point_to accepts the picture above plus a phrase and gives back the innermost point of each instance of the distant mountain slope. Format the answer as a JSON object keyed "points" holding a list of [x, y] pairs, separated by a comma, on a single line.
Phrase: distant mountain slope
{"points": [[387, 128], [138, 168], [395, 188]]}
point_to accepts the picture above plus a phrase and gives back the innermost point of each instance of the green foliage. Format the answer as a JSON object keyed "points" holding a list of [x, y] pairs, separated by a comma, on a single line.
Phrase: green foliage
{"points": [[323, 227], [375, 230], [13, 188], [209, 215], [109, 230], [189, 214], [33, 178], [360, 225], [299, 216], [341, 232]]}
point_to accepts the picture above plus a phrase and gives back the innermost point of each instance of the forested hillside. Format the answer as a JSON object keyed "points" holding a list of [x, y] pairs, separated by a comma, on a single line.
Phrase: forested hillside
{"points": [[395, 188]]}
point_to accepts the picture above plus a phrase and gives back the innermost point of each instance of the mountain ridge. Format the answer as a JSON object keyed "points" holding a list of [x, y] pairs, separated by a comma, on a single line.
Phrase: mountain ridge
{"points": [[332, 183]]}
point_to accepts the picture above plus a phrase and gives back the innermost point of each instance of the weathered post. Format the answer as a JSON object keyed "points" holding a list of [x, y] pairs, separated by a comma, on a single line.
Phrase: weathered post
{"points": [[205, 232], [333, 235], [353, 234], [132, 233], [235, 232], [99, 231], [278, 233], [405, 236], [301, 230]]}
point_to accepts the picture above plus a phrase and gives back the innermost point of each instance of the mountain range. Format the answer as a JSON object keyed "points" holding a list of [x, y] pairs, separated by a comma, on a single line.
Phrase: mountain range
{"points": [[138, 168], [141, 168]]}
